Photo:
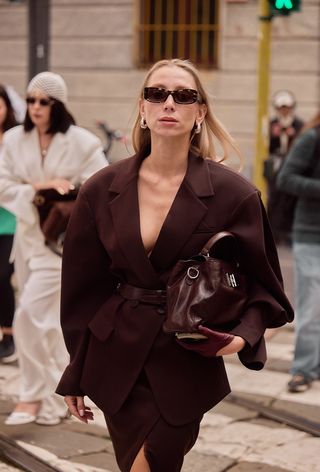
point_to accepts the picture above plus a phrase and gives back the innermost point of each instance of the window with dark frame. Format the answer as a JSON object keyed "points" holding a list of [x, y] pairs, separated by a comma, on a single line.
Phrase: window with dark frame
{"points": [[187, 29]]}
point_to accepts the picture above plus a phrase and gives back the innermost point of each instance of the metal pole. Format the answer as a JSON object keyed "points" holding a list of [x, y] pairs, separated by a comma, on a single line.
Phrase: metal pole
{"points": [[38, 36], [262, 130]]}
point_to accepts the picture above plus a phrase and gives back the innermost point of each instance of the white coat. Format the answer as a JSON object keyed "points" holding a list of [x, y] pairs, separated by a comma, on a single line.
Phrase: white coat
{"points": [[74, 156]]}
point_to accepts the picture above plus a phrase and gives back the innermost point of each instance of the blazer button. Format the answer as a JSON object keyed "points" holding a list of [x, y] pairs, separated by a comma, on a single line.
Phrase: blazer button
{"points": [[161, 310]]}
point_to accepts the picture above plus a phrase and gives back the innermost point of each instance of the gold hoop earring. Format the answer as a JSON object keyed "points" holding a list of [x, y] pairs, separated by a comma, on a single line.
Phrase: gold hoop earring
{"points": [[198, 127], [143, 123]]}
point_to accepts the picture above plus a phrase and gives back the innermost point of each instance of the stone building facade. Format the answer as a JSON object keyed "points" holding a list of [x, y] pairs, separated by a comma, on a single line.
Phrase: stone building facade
{"points": [[93, 44]]}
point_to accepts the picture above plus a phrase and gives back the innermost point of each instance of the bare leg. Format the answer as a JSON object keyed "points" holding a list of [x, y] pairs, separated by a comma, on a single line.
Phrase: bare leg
{"points": [[140, 463], [28, 407]]}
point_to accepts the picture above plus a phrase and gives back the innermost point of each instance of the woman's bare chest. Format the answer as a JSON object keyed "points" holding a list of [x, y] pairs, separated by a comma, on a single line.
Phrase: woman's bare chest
{"points": [[154, 205]]}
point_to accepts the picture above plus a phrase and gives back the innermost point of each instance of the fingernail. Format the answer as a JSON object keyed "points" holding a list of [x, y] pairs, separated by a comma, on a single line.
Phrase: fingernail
{"points": [[72, 187], [81, 412]]}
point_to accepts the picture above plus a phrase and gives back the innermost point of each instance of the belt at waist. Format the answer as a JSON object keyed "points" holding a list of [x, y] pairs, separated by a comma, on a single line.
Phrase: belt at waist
{"points": [[143, 295]]}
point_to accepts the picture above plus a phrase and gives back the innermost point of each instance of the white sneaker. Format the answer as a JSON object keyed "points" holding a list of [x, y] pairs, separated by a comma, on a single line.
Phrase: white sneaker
{"points": [[48, 420], [19, 417]]}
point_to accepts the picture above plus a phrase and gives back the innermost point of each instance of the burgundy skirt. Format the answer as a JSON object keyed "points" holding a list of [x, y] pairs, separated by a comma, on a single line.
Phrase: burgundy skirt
{"points": [[139, 423]]}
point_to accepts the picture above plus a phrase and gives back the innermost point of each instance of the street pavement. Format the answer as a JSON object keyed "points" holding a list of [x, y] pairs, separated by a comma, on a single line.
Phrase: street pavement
{"points": [[232, 438]]}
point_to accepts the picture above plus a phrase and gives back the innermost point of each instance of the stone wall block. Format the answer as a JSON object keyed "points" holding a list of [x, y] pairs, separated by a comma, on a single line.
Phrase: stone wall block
{"points": [[304, 23], [307, 112], [295, 56], [116, 115], [17, 80], [96, 54], [13, 23], [304, 87], [91, 3], [241, 21], [92, 22], [241, 55], [237, 118], [109, 84], [226, 87], [13, 53]]}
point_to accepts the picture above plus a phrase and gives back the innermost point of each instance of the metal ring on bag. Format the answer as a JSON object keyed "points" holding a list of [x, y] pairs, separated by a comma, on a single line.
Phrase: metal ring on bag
{"points": [[39, 200], [60, 240], [193, 272]]}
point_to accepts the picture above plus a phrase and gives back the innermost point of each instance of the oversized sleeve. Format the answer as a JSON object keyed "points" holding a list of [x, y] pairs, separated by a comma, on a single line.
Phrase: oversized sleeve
{"points": [[15, 195], [295, 176], [268, 305], [86, 285], [94, 158]]}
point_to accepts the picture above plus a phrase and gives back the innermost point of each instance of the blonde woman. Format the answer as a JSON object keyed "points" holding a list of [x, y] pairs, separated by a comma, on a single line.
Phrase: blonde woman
{"points": [[131, 224]]}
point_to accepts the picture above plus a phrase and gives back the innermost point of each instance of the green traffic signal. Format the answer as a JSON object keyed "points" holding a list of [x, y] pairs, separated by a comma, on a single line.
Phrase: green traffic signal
{"points": [[283, 4], [284, 7]]}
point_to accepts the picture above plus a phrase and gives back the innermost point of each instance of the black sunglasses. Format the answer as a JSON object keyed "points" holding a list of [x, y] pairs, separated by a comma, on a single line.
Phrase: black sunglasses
{"points": [[44, 102], [182, 96]]}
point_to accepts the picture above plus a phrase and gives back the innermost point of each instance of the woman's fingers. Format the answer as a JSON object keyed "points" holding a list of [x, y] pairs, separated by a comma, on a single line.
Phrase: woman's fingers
{"points": [[62, 186], [72, 405], [78, 408], [83, 410]]}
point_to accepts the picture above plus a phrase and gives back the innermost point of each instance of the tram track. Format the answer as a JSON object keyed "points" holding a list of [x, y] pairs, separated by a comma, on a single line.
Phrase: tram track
{"points": [[276, 414], [15, 455]]}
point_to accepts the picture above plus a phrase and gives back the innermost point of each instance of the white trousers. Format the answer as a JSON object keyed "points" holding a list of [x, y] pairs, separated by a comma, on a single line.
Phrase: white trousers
{"points": [[41, 350]]}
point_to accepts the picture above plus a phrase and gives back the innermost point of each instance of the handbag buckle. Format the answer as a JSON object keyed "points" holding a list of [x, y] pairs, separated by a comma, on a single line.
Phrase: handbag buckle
{"points": [[231, 280], [39, 200], [193, 273]]}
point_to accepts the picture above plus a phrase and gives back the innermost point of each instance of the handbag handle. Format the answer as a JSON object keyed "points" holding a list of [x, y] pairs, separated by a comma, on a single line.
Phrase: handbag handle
{"points": [[214, 239]]}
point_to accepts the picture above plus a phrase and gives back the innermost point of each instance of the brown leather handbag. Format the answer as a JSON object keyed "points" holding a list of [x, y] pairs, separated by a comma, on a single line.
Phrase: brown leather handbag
{"points": [[54, 212], [207, 290]]}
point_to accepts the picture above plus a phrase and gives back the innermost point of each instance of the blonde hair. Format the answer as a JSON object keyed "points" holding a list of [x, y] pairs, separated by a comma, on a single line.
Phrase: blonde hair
{"points": [[201, 144]]}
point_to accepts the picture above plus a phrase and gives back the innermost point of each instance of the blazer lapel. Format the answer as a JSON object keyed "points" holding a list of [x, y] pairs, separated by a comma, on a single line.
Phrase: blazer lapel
{"points": [[125, 216], [187, 210], [185, 214]]}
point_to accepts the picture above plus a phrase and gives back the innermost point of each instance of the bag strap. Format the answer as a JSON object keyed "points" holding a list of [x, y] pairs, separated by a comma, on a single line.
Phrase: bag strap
{"points": [[214, 239]]}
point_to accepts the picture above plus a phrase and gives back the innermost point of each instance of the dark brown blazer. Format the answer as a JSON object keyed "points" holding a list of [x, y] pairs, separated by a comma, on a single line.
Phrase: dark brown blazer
{"points": [[110, 340]]}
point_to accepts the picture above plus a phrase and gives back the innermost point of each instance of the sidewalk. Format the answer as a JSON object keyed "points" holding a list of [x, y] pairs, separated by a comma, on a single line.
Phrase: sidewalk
{"points": [[232, 438]]}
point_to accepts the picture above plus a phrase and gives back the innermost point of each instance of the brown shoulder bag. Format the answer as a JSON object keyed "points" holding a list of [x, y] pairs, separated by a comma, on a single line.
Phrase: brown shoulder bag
{"points": [[54, 212], [207, 289]]}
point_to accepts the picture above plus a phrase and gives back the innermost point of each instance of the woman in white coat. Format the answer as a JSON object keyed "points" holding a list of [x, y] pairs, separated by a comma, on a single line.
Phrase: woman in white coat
{"points": [[47, 151]]}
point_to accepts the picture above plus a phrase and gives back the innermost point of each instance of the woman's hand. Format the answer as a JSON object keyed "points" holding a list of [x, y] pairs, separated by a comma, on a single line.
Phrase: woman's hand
{"points": [[78, 408], [216, 344], [235, 346], [62, 186]]}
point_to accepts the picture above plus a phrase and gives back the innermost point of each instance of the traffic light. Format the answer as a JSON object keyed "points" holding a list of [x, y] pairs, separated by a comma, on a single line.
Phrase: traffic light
{"points": [[284, 7]]}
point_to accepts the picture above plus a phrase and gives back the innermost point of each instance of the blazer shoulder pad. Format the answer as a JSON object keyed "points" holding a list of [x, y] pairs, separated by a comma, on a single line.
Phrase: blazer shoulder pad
{"points": [[82, 134], [227, 177]]}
